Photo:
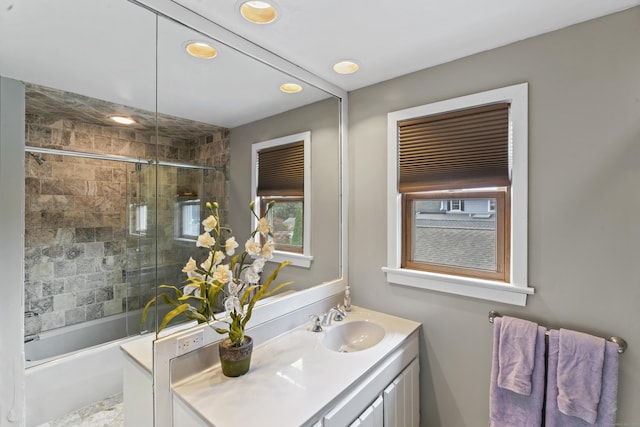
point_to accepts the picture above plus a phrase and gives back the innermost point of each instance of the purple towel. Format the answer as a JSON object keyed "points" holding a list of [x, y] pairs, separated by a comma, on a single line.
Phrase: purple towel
{"points": [[580, 361], [509, 409], [607, 404], [516, 354]]}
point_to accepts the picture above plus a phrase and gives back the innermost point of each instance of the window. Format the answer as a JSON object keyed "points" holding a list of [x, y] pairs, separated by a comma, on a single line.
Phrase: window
{"points": [[460, 150], [188, 219], [457, 196], [471, 242], [455, 205], [137, 219], [282, 175], [285, 218]]}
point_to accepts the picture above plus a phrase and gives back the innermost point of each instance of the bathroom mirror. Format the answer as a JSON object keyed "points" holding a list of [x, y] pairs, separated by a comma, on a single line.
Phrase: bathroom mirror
{"points": [[81, 62], [230, 81]]}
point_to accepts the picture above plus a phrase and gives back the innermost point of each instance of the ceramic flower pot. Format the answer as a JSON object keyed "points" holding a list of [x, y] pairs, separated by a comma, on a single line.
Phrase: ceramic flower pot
{"points": [[235, 361]]}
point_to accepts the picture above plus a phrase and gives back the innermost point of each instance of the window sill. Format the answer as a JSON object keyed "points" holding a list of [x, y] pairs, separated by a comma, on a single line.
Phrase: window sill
{"points": [[298, 260], [476, 288]]}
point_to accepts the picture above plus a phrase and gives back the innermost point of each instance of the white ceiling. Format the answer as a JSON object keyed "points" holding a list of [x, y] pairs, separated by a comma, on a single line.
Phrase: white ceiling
{"points": [[85, 47], [389, 38]]}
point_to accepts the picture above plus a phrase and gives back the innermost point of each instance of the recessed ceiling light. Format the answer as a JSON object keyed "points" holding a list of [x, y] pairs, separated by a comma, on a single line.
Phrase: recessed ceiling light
{"points": [[123, 120], [258, 12], [290, 88], [201, 50], [345, 67]]}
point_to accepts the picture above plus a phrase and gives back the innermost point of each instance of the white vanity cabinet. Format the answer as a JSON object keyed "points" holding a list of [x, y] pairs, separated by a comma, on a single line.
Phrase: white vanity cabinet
{"points": [[396, 401], [297, 380]]}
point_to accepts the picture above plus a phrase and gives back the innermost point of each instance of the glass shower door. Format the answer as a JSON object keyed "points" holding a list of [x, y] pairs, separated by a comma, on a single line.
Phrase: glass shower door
{"points": [[141, 245], [163, 233]]}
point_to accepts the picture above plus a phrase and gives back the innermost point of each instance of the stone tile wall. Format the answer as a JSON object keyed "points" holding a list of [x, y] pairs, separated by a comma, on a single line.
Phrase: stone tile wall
{"points": [[81, 260]]}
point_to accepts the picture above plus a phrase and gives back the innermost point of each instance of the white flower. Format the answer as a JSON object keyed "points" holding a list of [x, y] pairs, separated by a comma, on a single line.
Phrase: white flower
{"points": [[251, 277], [233, 288], [230, 245], [208, 263], [191, 290], [222, 274], [252, 247], [209, 223], [263, 226], [218, 257], [190, 266], [205, 240], [252, 274], [267, 250], [232, 304], [258, 265], [192, 271]]}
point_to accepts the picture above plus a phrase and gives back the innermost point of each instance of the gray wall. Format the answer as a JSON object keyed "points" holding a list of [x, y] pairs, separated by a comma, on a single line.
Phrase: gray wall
{"points": [[584, 230], [322, 119]]}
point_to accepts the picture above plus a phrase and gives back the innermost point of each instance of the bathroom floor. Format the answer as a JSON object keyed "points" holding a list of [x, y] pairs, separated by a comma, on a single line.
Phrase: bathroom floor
{"points": [[106, 413]]}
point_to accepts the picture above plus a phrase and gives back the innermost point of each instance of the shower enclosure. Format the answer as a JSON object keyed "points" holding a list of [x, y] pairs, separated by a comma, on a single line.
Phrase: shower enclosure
{"points": [[111, 213]]}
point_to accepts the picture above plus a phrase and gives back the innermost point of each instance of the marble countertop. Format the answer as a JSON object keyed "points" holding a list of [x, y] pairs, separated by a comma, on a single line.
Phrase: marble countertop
{"points": [[293, 371]]}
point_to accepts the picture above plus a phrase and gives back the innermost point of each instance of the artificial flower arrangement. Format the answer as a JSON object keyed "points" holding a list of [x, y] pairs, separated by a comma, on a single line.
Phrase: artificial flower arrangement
{"points": [[236, 276]]}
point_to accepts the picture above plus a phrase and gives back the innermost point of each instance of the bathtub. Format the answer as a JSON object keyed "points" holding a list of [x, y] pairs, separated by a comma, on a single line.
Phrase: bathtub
{"points": [[57, 384]]}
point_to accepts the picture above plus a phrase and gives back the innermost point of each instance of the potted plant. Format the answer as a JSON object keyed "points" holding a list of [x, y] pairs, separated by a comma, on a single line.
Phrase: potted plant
{"points": [[235, 277]]}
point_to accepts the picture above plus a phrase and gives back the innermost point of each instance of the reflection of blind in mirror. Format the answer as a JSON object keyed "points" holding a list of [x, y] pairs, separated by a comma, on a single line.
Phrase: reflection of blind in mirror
{"points": [[190, 219], [455, 232]]}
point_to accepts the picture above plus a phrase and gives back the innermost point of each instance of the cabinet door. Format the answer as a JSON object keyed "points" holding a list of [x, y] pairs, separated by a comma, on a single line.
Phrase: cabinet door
{"points": [[372, 416], [401, 399]]}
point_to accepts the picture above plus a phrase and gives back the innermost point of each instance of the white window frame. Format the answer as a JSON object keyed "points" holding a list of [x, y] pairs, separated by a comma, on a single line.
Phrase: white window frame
{"points": [[305, 258], [459, 202], [515, 292]]}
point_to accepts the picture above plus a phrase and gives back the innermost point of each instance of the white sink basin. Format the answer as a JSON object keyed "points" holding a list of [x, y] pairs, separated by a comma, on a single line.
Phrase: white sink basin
{"points": [[353, 336]]}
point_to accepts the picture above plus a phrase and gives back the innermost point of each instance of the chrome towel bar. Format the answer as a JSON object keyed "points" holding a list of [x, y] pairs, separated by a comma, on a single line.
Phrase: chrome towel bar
{"points": [[622, 344]]}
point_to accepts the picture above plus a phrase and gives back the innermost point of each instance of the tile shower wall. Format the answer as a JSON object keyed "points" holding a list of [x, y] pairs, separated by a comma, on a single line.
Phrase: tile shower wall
{"points": [[81, 261]]}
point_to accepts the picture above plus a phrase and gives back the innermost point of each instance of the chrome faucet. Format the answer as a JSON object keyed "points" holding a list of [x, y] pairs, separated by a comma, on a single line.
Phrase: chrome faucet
{"points": [[316, 323], [338, 313]]}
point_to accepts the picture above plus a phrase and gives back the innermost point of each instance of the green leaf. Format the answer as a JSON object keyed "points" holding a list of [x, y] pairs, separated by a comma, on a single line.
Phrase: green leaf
{"points": [[262, 291], [168, 300], [194, 315], [144, 312], [246, 294], [276, 289], [177, 290], [172, 314]]}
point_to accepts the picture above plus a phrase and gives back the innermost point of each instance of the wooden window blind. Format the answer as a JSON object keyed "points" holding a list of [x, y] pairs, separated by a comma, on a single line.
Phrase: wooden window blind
{"points": [[281, 170], [455, 150]]}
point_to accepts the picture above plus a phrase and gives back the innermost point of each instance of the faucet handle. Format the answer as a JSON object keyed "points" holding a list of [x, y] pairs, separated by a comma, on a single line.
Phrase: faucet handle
{"points": [[340, 314], [316, 323]]}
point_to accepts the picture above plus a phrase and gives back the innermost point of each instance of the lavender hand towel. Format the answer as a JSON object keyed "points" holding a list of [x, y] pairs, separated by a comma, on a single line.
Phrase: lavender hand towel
{"points": [[580, 361], [509, 409], [607, 405], [516, 354]]}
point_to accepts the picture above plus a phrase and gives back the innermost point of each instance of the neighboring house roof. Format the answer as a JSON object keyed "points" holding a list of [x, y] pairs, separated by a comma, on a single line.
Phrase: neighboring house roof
{"points": [[456, 240]]}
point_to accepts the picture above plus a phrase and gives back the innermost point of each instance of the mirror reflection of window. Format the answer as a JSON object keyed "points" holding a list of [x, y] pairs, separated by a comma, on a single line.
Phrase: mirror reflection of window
{"points": [[188, 219], [285, 218], [138, 219], [282, 177]]}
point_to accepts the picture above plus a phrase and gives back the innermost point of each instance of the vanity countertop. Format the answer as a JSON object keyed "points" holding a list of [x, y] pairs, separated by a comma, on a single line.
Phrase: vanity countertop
{"points": [[292, 377]]}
